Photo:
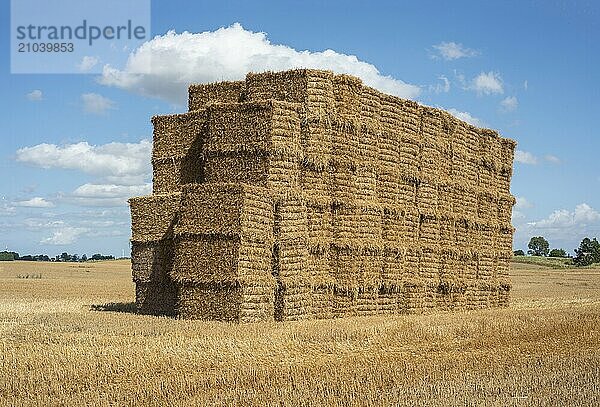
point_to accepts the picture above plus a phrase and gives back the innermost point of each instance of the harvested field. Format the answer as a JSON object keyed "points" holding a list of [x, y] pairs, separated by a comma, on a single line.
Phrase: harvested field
{"points": [[72, 338]]}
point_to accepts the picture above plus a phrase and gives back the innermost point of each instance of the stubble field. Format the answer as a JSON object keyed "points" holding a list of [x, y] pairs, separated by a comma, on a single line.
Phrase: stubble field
{"points": [[70, 338]]}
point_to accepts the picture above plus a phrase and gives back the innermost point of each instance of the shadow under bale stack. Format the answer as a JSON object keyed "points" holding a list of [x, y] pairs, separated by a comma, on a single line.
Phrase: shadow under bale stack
{"points": [[305, 194]]}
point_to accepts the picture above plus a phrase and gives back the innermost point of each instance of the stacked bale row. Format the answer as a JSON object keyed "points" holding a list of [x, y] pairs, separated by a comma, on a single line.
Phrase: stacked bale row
{"points": [[379, 205]]}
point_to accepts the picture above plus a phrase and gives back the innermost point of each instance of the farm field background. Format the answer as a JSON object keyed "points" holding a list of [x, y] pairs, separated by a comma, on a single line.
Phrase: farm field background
{"points": [[71, 338]]}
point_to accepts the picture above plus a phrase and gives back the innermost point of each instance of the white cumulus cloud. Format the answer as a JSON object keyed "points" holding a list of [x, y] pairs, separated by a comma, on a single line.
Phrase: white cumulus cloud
{"points": [[36, 202], [96, 104], [170, 62], [35, 95], [583, 215], [467, 117], [119, 163], [64, 236], [487, 83], [509, 103], [552, 159], [87, 63], [106, 195], [452, 50], [525, 157]]}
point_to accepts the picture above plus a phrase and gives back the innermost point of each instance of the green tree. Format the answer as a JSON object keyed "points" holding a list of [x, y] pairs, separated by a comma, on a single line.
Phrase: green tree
{"points": [[587, 253], [557, 253], [6, 256], [519, 253], [538, 246]]}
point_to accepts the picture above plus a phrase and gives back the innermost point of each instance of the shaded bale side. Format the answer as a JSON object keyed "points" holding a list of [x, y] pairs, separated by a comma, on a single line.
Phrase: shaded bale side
{"points": [[199, 95], [152, 261], [156, 298], [220, 302]]}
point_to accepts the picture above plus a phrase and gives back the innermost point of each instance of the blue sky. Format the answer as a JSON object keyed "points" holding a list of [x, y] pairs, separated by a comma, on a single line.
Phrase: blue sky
{"points": [[75, 146]]}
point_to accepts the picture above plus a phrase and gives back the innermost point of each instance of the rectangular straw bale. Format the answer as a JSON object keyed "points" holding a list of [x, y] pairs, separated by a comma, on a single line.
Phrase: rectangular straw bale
{"points": [[503, 177], [392, 232], [221, 259], [345, 268], [152, 261], [175, 135], [412, 257], [486, 178], [167, 175], [156, 298], [469, 202], [473, 143], [345, 223], [407, 190], [366, 183], [289, 85], [504, 238], [427, 197], [429, 230], [153, 217], [291, 218], [468, 261], [237, 167], [367, 302], [391, 115], [460, 140], [370, 107], [226, 209], [319, 224], [507, 151], [345, 138], [370, 269], [393, 269], [319, 267], [505, 205], [342, 184], [411, 121], [322, 302], [370, 224], [388, 189], [199, 95], [267, 126], [293, 303], [461, 232], [486, 267], [431, 125], [317, 143], [487, 204], [409, 155], [429, 165], [447, 230], [221, 302], [368, 145], [292, 263], [344, 304], [429, 264], [387, 303], [347, 91], [410, 226], [388, 145], [312, 88], [446, 196], [490, 146], [317, 184]]}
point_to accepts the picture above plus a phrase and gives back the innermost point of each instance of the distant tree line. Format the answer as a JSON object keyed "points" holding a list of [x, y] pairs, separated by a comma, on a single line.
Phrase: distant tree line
{"points": [[587, 253], [63, 257]]}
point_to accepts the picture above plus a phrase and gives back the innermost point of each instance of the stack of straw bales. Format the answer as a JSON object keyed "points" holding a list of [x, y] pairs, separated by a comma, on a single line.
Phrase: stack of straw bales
{"points": [[305, 194]]}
